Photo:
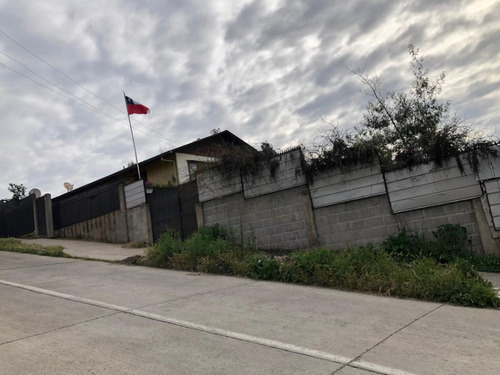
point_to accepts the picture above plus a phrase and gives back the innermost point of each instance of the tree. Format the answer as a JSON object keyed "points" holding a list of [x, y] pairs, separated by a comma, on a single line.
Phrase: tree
{"points": [[409, 128], [18, 191], [402, 129]]}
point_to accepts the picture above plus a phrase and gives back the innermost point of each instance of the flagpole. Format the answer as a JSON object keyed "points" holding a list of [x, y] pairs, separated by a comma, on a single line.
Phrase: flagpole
{"points": [[132, 134]]}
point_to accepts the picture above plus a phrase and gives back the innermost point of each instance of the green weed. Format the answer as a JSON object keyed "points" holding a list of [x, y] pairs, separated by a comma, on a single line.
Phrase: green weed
{"points": [[160, 253], [485, 263], [450, 243], [406, 265], [15, 245]]}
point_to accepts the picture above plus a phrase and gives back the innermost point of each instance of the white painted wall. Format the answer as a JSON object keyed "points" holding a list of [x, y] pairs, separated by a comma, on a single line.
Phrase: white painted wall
{"points": [[182, 164], [427, 185], [489, 168], [212, 185], [336, 186], [493, 195], [134, 194], [287, 175]]}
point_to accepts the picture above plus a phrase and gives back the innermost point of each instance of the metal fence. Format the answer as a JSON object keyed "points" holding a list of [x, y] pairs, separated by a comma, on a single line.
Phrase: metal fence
{"points": [[16, 217], [77, 206], [174, 208]]}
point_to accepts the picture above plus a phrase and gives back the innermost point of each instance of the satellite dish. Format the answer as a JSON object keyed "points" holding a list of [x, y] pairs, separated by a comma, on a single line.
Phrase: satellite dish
{"points": [[36, 192], [68, 186]]}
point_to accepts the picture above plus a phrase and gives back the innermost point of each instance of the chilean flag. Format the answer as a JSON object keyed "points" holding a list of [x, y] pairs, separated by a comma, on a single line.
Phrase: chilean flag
{"points": [[134, 107]]}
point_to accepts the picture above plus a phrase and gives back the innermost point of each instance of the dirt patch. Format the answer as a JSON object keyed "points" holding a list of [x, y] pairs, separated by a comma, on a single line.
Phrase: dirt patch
{"points": [[136, 260]]}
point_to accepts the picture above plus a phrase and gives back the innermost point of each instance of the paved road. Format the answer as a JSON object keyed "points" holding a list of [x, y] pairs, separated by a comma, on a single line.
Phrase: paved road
{"points": [[68, 316]]}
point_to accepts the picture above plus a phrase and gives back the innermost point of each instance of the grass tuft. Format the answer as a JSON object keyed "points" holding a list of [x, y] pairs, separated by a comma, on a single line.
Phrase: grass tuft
{"points": [[406, 266], [15, 245]]}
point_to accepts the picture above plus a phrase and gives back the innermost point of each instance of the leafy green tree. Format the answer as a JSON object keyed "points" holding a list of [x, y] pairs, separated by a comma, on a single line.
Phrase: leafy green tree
{"points": [[409, 128], [18, 191]]}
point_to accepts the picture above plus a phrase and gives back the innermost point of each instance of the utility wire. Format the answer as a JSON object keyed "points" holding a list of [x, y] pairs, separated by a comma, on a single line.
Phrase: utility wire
{"points": [[157, 135], [100, 112], [52, 83]]}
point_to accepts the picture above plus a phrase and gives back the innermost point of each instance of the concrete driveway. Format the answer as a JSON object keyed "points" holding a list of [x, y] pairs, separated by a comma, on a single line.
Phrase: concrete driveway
{"points": [[69, 316]]}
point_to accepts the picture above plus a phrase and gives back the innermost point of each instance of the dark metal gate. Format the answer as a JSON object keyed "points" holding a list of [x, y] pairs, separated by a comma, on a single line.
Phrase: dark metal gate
{"points": [[16, 217], [174, 208], [78, 206], [40, 216], [188, 197], [165, 211]]}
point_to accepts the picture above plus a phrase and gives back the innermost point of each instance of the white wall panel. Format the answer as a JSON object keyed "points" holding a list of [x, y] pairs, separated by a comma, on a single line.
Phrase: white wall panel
{"points": [[489, 168], [336, 186], [427, 185], [493, 194], [134, 194], [212, 185], [287, 175]]}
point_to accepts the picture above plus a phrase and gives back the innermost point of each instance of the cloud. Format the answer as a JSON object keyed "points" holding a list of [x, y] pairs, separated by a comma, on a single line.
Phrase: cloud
{"points": [[266, 70]]}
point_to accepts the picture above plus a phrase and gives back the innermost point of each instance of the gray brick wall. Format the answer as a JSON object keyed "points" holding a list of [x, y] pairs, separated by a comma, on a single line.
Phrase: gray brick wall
{"points": [[370, 221], [277, 220], [355, 223], [285, 176], [111, 227], [139, 224], [351, 208], [429, 219]]}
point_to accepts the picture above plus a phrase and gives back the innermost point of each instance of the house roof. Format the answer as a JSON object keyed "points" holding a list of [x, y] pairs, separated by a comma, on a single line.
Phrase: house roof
{"points": [[207, 146], [204, 146]]}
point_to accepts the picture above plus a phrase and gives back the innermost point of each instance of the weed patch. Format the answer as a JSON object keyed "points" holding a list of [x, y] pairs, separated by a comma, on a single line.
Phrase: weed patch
{"points": [[486, 263], [449, 243], [406, 265], [15, 245]]}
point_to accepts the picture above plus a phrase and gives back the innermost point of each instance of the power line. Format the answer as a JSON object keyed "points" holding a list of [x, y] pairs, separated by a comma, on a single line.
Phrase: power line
{"points": [[52, 83], [154, 135], [102, 113], [58, 70]]}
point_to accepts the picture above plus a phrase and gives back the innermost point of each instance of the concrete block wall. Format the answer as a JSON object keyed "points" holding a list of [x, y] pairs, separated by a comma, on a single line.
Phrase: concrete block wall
{"points": [[428, 219], [212, 184], [427, 185], [342, 209], [139, 224], [277, 220], [370, 220], [111, 227], [286, 175], [355, 223], [336, 186]]}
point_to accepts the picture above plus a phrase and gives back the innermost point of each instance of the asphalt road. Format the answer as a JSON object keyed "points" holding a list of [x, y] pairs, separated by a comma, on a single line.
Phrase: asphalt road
{"points": [[68, 316]]}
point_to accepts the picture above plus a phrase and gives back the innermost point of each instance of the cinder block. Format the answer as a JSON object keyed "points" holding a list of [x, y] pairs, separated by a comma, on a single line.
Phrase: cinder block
{"points": [[289, 236], [267, 231], [326, 218], [435, 211], [275, 240], [465, 218], [346, 216], [357, 225], [412, 215], [459, 207], [296, 225]]}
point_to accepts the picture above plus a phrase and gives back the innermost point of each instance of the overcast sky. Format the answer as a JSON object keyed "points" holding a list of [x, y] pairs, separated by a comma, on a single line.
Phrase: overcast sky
{"points": [[264, 70]]}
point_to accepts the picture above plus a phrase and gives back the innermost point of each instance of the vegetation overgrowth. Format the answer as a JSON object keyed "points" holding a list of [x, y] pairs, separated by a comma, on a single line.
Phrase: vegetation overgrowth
{"points": [[15, 245], [398, 130], [406, 265], [403, 129]]}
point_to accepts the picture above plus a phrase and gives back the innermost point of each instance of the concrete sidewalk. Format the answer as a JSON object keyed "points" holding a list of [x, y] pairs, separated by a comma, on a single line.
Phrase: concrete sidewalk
{"points": [[89, 249], [67, 316], [494, 278], [110, 251]]}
